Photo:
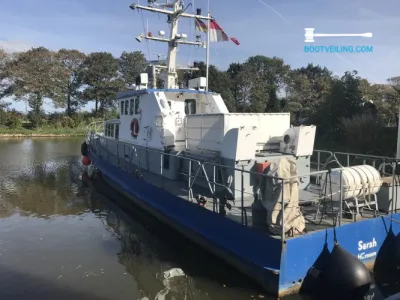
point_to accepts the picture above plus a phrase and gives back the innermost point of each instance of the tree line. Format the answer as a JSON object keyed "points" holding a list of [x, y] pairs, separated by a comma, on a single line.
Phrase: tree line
{"points": [[347, 110], [68, 78]]}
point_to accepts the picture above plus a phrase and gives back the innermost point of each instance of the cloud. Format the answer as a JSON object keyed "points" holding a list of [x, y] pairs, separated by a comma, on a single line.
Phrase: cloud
{"points": [[14, 46], [275, 11]]}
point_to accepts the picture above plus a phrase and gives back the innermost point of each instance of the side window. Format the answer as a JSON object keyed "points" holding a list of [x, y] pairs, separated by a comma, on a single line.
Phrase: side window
{"points": [[132, 106], [190, 106], [122, 107], [126, 107], [137, 104], [112, 130], [116, 131]]}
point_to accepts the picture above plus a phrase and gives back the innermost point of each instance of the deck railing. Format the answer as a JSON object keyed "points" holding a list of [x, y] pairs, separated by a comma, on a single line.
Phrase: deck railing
{"points": [[322, 159], [95, 127], [136, 160]]}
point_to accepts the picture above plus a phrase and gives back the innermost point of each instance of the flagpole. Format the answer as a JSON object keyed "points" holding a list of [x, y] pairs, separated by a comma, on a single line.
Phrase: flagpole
{"points": [[208, 49]]}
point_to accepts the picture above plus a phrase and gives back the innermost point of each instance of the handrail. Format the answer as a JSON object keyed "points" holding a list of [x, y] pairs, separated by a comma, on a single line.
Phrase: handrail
{"points": [[385, 160], [184, 158], [202, 167], [96, 127], [190, 181], [319, 152]]}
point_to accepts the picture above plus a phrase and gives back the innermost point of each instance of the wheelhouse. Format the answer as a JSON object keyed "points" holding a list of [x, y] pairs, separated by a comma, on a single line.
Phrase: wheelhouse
{"points": [[111, 128]]}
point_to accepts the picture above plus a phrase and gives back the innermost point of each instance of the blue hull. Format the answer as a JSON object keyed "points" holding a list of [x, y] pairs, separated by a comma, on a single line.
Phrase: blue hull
{"points": [[279, 267]]}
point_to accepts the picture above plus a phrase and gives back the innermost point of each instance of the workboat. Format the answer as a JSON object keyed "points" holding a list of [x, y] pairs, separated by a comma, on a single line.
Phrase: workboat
{"points": [[248, 187]]}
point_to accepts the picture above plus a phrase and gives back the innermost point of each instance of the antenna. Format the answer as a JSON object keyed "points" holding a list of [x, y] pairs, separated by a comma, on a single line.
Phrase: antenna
{"points": [[176, 11], [159, 55], [208, 44], [208, 50]]}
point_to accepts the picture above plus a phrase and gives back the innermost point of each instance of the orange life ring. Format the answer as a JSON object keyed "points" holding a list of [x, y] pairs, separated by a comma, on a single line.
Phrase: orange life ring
{"points": [[134, 128]]}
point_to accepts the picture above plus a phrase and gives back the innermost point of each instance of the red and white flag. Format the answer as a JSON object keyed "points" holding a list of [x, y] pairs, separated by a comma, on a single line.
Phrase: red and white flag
{"points": [[217, 34], [200, 25]]}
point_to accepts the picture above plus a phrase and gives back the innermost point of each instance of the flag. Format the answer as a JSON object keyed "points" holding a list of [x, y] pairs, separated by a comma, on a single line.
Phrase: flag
{"points": [[200, 25], [235, 41], [217, 34]]}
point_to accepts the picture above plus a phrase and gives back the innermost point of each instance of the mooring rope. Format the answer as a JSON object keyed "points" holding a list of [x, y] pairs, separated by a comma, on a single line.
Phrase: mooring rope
{"points": [[391, 219]]}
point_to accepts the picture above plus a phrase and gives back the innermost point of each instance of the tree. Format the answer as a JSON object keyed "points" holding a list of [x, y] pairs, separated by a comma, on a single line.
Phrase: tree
{"points": [[233, 71], [329, 112], [5, 85], [71, 79], [100, 74], [219, 82], [352, 103], [274, 74], [273, 104], [344, 101], [4, 57], [309, 86], [272, 70], [251, 91], [395, 83], [130, 65], [393, 96], [32, 76]]}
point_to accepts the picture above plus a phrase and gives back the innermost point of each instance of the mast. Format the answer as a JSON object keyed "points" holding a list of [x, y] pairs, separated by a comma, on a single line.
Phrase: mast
{"points": [[175, 38], [398, 136], [172, 49], [208, 49]]}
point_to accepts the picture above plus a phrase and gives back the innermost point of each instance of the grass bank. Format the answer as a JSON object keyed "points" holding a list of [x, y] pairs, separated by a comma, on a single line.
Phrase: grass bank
{"points": [[42, 132]]}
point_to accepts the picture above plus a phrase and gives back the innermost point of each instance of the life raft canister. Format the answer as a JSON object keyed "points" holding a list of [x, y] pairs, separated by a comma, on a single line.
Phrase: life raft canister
{"points": [[134, 128]]}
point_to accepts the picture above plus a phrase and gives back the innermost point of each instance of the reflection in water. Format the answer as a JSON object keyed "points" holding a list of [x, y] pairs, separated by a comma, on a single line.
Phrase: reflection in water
{"points": [[57, 234], [61, 238], [163, 264]]}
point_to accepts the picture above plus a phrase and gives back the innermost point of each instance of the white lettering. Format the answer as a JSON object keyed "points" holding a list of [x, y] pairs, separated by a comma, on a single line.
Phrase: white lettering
{"points": [[368, 245], [364, 255]]}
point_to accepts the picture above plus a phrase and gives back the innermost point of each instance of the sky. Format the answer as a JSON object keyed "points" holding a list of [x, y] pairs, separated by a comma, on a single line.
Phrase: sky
{"points": [[263, 27]]}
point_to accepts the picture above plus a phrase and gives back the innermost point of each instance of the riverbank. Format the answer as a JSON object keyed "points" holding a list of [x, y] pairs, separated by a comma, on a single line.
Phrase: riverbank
{"points": [[42, 132]]}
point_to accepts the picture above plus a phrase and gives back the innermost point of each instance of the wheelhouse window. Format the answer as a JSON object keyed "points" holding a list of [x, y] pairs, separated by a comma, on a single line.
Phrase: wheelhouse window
{"points": [[111, 130], [122, 107], [190, 106], [116, 131], [132, 106], [137, 105], [126, 107]]}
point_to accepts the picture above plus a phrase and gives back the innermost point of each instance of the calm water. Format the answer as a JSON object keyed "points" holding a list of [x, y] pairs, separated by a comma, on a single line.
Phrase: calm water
{"points": [[63, 239]]}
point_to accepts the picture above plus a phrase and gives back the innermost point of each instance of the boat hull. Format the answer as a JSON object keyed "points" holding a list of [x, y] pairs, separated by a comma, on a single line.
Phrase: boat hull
{"points": [[223, 237], [279, 267]]}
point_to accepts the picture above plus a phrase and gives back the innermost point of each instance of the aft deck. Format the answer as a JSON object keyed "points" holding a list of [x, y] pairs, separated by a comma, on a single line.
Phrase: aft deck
{"points": [[319, 210]]}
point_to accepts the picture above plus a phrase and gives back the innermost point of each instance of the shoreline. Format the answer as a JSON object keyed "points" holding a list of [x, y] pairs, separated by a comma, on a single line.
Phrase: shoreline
{"points": [[26, 135]]}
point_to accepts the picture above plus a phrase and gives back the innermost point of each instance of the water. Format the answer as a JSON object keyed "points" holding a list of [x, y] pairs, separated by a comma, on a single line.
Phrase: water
{"points": [[63, 239]]}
